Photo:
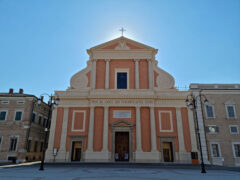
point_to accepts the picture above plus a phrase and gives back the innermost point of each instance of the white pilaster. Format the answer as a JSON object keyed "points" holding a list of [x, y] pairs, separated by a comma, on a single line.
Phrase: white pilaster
{"points": [[201, 130], [61, 155], [105, 130], [107, 74], [49, 152], [150, 74], [91, 130], [93, 74], [138, 130], [153, 130], [180, 130], [192, 131], [136, 73]]}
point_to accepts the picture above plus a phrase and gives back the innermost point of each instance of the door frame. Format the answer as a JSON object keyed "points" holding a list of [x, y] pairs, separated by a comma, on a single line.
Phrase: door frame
{"points": [[169, 140], [122, 126], [73, 139]]}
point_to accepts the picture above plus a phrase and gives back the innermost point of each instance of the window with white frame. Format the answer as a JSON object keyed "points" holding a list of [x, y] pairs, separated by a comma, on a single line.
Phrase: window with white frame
{"points": [[212, 129], [236, 149], [3, 115], [18, 115], [5, 102], [230, 108], [209, 111], [13, 143], [20, 102], [233, 129], [122, 78], [215, 149]]}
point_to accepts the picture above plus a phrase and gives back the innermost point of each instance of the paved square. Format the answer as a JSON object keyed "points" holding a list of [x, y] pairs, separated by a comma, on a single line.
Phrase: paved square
{"points": [[68, 172]]}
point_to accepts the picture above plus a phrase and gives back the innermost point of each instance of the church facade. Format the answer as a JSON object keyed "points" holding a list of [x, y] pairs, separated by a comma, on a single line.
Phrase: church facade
{"points": [[122, 107]]}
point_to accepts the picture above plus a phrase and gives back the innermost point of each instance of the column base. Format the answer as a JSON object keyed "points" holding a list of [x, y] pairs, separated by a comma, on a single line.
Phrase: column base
{"points": [[184, 157], [102, 156], [153, 156]]}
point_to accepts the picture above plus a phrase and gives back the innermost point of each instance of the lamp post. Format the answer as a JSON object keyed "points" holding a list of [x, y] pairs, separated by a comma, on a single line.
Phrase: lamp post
{"points": [[191, 102], [53, 102]]}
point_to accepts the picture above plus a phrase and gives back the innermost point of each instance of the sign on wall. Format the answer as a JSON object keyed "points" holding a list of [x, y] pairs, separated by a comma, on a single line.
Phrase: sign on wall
{"points": [[121, 114]]}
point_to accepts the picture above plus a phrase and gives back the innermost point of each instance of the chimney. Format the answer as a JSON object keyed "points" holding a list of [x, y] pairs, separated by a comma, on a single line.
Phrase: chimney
{"points": [[41, 98], [20, 91], [11, 91]]}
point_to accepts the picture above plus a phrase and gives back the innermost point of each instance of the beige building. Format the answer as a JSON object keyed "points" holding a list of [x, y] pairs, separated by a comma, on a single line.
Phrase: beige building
{"points": [[22, 123], [221, 120]]}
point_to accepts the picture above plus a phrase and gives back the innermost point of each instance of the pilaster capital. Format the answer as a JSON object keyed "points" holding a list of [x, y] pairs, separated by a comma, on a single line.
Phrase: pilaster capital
{"points": [[136, 60], [107, 60]]}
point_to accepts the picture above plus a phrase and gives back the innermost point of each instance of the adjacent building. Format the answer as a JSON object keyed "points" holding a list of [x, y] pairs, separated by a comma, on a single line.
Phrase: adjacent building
{"points": [[22, 123], [220, 117], [122, 107]]}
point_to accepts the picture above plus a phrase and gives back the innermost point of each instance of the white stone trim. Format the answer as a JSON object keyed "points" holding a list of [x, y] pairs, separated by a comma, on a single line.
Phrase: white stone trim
{"points": [[150, 74], [138, 130], [136, 73], [219, 149], [129, 113], [160, 120], [15, 113], [233, 105], [180, 131], [20, 102], [17, 136], [107, 74], [4, 110], [205, 108], [201, 129], [93, 74], [153, 130], [214, 126], [121, 70], [84, 120], [192, 130], [105, 130], [49, 152], [233, 126], [91, 130], [233, 149], [5, 102]]}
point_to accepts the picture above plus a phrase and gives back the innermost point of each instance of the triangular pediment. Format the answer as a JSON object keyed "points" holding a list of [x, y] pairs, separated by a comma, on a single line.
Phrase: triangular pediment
{"points": [[121, 123], [121, 43]]}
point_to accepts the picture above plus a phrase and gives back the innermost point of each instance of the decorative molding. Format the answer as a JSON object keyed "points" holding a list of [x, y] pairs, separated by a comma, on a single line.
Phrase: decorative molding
{"points": [[122, 46], [80, 79], [164, 79], [160, 121]]}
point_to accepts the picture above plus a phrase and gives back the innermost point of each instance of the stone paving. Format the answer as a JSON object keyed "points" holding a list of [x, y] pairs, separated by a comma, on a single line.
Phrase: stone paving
{"points": [[69, 172]]}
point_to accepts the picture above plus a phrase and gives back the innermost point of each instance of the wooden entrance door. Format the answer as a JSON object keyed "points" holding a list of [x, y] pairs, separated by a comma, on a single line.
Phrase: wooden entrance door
{"points": [[122, 146], [167, 152], [76, 150]]}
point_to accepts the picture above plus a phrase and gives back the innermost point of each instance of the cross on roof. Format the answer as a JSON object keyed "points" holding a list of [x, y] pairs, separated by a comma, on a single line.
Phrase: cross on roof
{"points": [[122, 30]]}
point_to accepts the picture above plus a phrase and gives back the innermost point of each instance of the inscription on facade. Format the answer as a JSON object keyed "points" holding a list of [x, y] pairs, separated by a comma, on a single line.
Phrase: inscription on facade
{"points": [[121, 114], [117, 102]]}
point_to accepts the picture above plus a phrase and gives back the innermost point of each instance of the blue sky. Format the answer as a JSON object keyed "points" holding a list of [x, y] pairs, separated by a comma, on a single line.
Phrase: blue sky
{"points": [[43, 43]]}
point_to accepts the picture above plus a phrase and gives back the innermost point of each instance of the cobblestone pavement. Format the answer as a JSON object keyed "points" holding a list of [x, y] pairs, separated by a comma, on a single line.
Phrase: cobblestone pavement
{"points": [[115, 173]]}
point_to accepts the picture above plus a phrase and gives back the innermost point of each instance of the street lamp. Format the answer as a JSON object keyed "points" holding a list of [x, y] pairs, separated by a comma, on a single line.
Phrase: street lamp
{"points": [[191, 102], [52, 103]]}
